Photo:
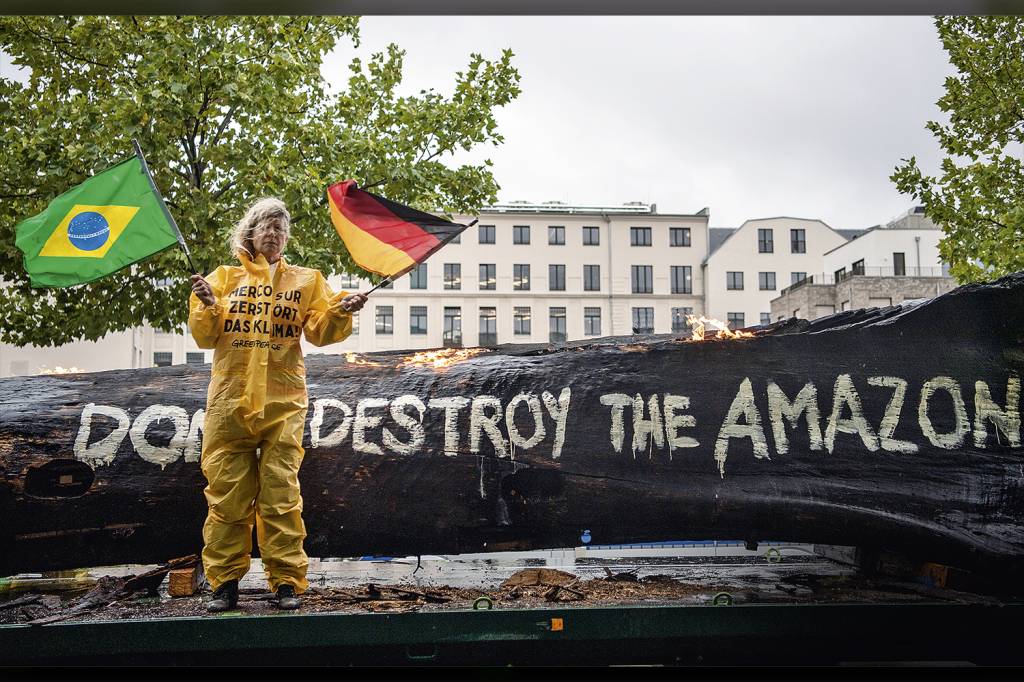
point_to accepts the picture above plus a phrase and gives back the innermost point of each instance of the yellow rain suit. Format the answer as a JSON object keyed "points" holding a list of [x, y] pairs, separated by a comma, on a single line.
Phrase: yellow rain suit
{"points": [[257, 401]]}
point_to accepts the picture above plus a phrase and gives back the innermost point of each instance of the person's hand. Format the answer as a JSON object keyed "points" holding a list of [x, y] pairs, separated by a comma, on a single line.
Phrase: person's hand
{"points": [[201, 288], [353, 302]]}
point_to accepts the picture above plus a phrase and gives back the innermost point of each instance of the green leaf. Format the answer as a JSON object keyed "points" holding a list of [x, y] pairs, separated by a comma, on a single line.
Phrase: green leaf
{"points": [[978, 196], [97, 81]]}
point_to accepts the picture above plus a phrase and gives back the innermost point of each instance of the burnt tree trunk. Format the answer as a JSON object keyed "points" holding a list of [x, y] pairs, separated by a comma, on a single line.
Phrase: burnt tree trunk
{"points": [[917, 409]]}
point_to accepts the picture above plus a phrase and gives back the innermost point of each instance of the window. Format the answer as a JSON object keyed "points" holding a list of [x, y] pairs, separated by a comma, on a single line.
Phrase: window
{"points": [[844, 305], [795, 277], [765, 240], [858, 268], [520, 234], [642, 277], [488, 276], [488, 327], [643, 320], [798, 241], [162, 359], [348, 282], [451, 337], [899, 264], [679, 323], [591, 236], [486, 234], [679, 236], [639, 236], [521, 277], [592, 321], [195, 358], [591, 278], [556, 235], [766, 281], [840, 274], [766, 318], [385, 319], [457, 239], [734, 280], [735, 320], [682, 279], [418, 319], [556, 325], [418, 277], [556, 278], [453, 275], [521, 321]]}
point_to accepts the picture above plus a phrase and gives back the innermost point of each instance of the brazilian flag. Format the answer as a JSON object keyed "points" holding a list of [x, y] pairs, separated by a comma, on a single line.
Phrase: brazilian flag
{"points": [[108, 222]]}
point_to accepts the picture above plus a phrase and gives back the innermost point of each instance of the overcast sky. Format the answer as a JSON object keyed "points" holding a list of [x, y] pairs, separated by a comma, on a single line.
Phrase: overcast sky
{"points": [[750, 116]]}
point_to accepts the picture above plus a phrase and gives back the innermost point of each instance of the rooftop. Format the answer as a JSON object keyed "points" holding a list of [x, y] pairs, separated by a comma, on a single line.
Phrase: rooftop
{"points": [[628, 208]]}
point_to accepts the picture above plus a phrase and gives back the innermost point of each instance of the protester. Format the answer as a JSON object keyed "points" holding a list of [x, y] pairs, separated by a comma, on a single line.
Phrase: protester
{"points": [[254, 315]]}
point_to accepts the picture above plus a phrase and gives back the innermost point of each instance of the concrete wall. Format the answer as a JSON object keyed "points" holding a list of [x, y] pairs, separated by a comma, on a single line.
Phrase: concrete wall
{"points": [[811, 301]]}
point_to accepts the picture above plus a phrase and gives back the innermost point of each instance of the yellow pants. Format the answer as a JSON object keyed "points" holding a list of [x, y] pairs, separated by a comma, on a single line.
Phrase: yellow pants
{"points": [[246, 488]]}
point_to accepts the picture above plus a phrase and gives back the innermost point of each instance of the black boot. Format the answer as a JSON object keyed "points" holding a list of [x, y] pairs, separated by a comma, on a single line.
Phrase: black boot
{"points": [[225, 597], [286, 598]]}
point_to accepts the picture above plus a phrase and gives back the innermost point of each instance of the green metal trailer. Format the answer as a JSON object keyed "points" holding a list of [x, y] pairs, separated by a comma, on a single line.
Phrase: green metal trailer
{"points": [[743, 634]]}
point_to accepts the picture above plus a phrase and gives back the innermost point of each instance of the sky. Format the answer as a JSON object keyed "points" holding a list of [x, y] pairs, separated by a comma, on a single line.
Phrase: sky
{"points": [[748, 116]]}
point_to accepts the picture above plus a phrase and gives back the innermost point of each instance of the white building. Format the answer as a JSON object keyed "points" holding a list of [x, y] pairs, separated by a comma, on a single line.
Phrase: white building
{"points": [[537, 273], [908, 245], [118, 350], [748, 266], [528, 273], [884, 265]]}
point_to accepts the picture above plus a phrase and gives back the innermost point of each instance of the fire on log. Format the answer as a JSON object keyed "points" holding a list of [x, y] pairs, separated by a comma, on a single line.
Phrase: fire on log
{"points": [[890, 428]]}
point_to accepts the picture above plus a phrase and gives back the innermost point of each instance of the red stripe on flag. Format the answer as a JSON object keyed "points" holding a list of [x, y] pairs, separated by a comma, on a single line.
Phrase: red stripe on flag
{"points": [[366, 213]]}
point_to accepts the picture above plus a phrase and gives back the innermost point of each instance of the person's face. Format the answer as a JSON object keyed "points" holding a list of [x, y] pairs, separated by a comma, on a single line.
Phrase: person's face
{"points": [[269, 239]]}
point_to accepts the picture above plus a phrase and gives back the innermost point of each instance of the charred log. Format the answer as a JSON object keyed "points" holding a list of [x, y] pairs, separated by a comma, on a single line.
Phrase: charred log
{"points": [[894, 428]]}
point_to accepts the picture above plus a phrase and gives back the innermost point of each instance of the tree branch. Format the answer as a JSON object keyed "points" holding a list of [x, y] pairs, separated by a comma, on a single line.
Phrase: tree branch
{"points": [[223, 124], [53, 43], [219, 193]]}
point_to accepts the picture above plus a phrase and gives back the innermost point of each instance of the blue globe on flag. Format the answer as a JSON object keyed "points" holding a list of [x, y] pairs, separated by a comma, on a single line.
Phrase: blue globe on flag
{"points": [[88, 231]]}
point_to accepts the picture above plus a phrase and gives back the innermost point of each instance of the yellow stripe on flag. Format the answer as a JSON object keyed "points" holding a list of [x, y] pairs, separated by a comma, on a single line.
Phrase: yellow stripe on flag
{"points": [[59, 244], [366, 250]]}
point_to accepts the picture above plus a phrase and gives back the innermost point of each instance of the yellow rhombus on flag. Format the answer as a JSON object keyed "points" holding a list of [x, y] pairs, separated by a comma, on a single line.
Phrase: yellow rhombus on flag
{"points": [[108, 222]]}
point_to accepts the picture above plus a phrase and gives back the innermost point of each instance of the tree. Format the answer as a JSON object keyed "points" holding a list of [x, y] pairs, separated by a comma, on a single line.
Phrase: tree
{"points": [[227, 109], [978, 199]]}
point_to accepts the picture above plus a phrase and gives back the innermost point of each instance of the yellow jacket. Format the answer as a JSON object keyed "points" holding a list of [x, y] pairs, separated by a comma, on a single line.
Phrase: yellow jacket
{"points": [[255, 326]]}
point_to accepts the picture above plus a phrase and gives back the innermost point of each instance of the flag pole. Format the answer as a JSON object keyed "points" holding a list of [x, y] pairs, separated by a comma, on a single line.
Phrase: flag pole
{"points": [[167, 213], [391, 278]]}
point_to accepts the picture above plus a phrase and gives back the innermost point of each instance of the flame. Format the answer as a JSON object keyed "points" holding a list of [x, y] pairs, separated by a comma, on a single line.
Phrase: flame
{"points": [[439, 359], [698, 325], [61, 370], [354, 359]]}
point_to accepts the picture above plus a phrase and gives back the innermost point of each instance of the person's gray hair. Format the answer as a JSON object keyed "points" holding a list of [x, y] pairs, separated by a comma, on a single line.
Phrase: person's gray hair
{"points": [[259, 214]]}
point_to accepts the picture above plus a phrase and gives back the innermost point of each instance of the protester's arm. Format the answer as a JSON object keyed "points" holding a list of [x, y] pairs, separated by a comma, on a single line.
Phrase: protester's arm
{"points": [[205, 321], [328, 317]]}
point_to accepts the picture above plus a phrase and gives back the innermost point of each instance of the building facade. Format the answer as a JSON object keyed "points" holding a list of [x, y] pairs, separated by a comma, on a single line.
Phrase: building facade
{"points": [[908, 245], [527, 273], [540, 273], [885, 265], [748, 266]]}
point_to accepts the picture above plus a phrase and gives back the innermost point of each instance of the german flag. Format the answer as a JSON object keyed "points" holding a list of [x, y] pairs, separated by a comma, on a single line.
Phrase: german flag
{"points": [[384, 236]]}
